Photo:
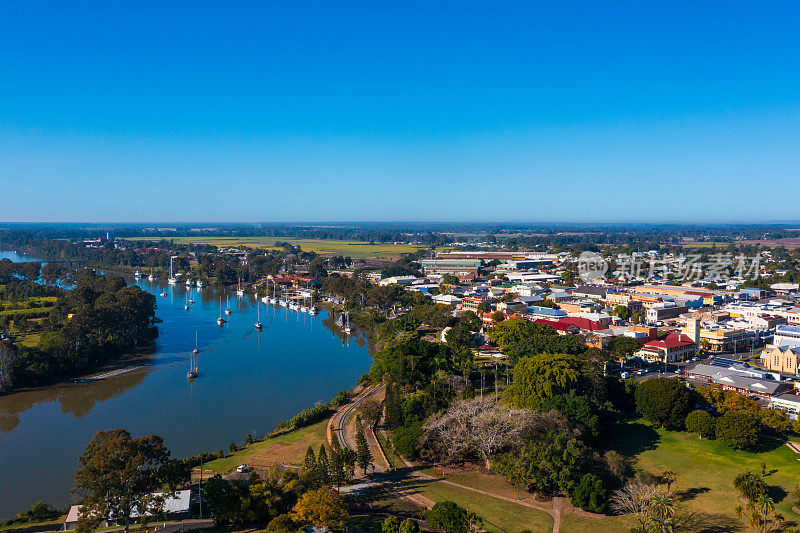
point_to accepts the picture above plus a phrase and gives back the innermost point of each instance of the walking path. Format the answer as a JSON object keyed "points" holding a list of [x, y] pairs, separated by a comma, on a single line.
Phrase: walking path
{"points": [[338, 428]]}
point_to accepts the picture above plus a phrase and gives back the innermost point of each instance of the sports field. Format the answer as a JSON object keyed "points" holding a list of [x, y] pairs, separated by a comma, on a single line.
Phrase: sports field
{"points": [[322, 247]]}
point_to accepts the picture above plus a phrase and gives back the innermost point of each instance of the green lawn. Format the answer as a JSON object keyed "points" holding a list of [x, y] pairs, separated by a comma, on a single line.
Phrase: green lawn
{"points": [[498, 515], [706, 468], [287, 448]]}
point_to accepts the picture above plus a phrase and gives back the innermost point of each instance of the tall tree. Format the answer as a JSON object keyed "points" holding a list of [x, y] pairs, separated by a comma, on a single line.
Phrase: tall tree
{"points": [[118, 473], [362, 447]]}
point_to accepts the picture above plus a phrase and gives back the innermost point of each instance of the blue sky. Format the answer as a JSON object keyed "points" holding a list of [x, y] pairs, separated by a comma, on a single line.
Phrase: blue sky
{"points": [[299, 111]]}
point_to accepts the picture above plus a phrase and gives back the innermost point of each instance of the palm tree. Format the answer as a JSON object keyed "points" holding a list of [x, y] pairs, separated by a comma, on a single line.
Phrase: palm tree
{"points": [[661, 512], [668, 477]]}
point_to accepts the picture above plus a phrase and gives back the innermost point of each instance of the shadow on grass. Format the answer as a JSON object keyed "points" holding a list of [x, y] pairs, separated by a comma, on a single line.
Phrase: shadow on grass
{"points": [[690, 494], [634, 438], [716, 523]]}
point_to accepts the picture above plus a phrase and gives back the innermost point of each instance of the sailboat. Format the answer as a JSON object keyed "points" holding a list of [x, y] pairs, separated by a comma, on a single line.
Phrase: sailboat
{"points": [[137, 274], [192, 373], [312, 309], [220, 320], [188, 282], [239, 291], [186, 306], [151, 277], [258, 316], [347, 322], [196, 346], [199, 284], [172, 280], [227, 307]]}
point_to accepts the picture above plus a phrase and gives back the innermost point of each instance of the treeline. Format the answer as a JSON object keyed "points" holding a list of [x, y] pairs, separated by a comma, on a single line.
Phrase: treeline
{"points": [[90, 325]]}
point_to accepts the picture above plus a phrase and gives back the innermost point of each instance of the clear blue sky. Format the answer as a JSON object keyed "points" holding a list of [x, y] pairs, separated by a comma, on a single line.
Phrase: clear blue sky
{"points": [[551, 111]]}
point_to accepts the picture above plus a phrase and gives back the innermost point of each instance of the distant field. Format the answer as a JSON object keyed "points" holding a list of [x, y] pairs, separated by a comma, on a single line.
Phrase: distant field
{"points": [[322, 247]]}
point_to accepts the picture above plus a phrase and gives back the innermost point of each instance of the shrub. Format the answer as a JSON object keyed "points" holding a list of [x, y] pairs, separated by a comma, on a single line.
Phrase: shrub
{"points": [[281, 524], [700, 422], [590, 494]]}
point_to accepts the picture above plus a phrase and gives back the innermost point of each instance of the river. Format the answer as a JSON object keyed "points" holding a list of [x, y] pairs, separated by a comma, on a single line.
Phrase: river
{"points": [[248, 382]]}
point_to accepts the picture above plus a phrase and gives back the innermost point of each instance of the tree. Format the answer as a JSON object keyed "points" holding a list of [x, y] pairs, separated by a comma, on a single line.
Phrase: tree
{"points": [[664, 401], [776, 419], [738, 429], [320, 507], [449, 517], [701, 422], [363, 453], [459, 335], [590, 494], [117, 474], [539, 378], [546, 463], [623, 312], [222, 499], [634, 499], [515, 330], [668, 477], [281, 524], [623, 347], [390, 524], [477, 427], [409, 525], [750, 486]]}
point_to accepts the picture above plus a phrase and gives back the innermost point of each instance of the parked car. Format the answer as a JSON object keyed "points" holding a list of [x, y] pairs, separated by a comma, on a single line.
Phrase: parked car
{"points": [[625, 375], [243, 468]]}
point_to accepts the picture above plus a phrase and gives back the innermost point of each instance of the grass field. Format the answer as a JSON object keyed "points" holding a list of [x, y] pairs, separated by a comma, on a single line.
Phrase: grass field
{"points": [[498, 515], [289, 448], [706, 468], [322, 247]]}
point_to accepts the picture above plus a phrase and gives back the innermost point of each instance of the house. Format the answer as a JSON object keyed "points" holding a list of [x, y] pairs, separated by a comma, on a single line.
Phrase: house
{"points": [[446, 299], [560, 327], [788, 402], [547, 313], [674, 348], [175, 507]]}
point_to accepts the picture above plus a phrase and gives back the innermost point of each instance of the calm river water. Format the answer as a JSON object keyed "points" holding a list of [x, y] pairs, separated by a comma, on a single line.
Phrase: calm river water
{"points": [[248, 382]]}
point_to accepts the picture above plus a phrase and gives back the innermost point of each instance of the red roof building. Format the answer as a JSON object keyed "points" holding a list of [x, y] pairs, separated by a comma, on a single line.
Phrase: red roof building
{"points": [[674, 348]]}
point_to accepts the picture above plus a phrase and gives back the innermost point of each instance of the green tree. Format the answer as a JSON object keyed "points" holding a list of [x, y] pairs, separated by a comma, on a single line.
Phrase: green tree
{"points": [[390, 524], [590, 494], [510, 332], [117, 474], [363, 452], [665, 401], [738, 429], [749, 485], [448, 516], [281, 524], [622, 311], [776, 419], [222, 500], [541, 377], [623, 347], [409, 525], [701, 422]]}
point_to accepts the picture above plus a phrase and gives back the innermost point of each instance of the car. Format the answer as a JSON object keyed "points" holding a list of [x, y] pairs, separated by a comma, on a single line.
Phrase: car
{"points": [[243, 468], [695, 358], [642, 372], [625, 375]]}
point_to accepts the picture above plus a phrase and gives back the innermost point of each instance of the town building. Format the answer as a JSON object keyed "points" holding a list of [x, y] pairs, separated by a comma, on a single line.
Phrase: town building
{"points": [[674, 348]]}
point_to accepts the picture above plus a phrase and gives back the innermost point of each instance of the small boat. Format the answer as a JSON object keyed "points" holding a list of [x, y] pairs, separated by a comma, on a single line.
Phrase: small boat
{"points": [[200, 284], [259, 326], [347, 323], [312, 310], [192, 373], [172, 280], [239, 291], [191, 300], [186, 305], [303, 309], [227, 307], [196, 346], [137, 274], [151, 277], [220, 320], [188, 282], [164, 294], [273, 301]]}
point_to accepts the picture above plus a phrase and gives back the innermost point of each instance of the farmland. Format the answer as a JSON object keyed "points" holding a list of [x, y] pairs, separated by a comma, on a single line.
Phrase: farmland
{"points": [[359, 249]]}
